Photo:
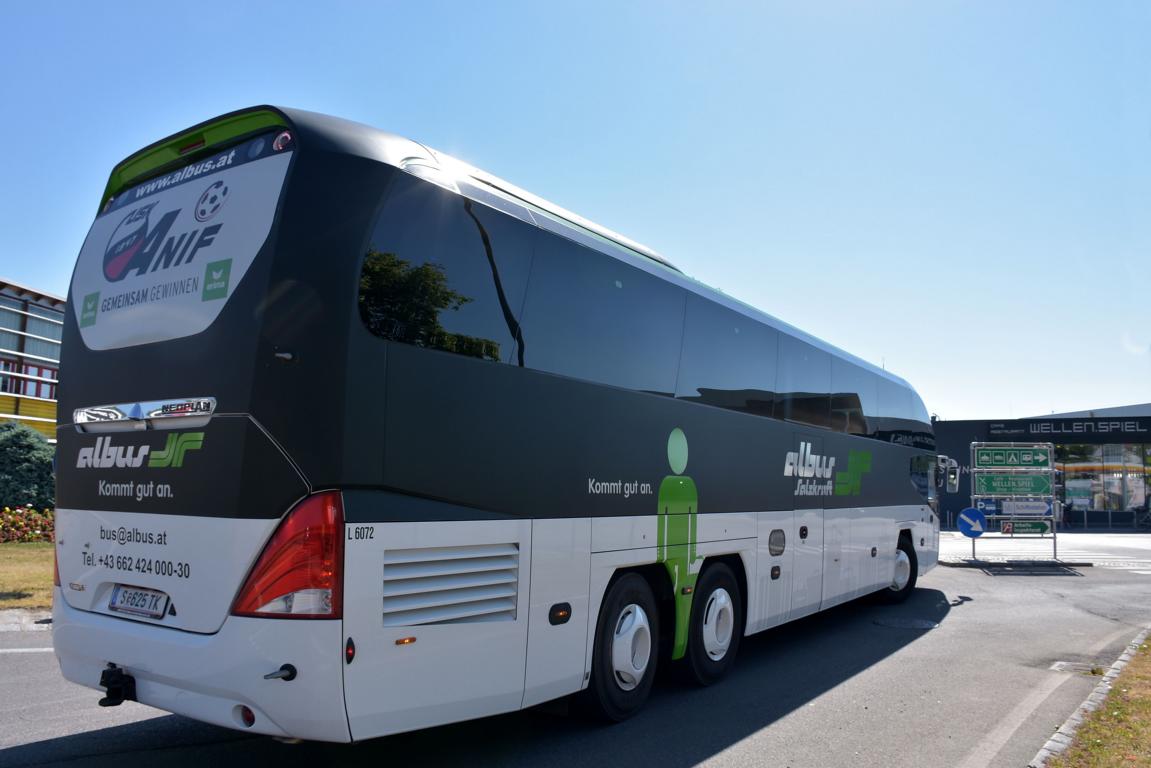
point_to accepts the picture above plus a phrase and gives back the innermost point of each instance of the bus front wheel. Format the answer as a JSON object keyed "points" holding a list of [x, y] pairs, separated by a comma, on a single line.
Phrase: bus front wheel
{"points": [[716, 625], [626, 649]]}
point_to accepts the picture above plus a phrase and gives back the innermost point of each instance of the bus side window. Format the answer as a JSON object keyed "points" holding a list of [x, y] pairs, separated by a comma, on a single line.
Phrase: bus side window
{"points": [[803, 383], [923, 470], [902, 417], [852, 397], [728, 359], [594, 317], [445, 273]]}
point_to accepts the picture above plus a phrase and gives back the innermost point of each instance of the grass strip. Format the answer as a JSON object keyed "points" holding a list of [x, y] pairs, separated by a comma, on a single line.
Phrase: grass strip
{"points": [[1118, 733], [26, 575]]}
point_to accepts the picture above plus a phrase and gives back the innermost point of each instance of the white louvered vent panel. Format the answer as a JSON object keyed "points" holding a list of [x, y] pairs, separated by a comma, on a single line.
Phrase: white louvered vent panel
{"points": [[451, 585]]}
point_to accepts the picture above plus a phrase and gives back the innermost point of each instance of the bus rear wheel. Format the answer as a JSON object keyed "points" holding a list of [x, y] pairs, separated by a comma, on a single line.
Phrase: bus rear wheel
{"points": [[716, 625], [626, 649], [905, 576]]}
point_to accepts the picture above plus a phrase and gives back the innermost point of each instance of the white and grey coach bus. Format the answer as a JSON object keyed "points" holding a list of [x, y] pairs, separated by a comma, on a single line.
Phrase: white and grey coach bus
{"points": [[358, 439]]}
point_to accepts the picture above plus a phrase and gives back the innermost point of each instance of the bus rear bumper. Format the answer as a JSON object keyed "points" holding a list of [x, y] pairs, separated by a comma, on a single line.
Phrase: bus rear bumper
{"points": [[210, 677]]}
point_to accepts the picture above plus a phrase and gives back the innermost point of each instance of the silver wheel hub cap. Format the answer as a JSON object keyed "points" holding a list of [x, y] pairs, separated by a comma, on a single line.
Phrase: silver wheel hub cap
{"points": [[630, 647], [718, 624], [902, 571]]}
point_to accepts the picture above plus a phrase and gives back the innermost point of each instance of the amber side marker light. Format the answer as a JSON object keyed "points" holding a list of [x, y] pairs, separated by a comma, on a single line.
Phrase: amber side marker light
{"points": [[559, 614], [405, 641]]}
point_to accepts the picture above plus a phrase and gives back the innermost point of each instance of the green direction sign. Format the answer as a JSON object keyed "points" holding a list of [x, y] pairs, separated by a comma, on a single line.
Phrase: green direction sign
{"points": [[991, 484], [1025, 526], [1013, 458]]}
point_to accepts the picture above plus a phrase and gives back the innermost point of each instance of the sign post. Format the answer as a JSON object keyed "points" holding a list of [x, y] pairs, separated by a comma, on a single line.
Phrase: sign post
{"points": [[1013, 490]]}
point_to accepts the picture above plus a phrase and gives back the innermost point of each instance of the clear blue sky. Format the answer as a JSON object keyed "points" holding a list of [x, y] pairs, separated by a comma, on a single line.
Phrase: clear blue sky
{"points": [[958, 190]]}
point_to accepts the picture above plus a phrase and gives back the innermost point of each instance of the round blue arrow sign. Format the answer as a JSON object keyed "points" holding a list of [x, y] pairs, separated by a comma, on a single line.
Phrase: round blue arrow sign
{"points": [[972, 523]]}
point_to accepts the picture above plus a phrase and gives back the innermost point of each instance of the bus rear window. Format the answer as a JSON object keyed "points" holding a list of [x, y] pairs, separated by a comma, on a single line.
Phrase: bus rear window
{"points": [[164, 256]]}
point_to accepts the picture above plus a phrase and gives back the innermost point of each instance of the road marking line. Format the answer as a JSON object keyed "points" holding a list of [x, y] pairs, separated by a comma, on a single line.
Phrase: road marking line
{"points": [[996, 739], [20, 628], [27, 650]]}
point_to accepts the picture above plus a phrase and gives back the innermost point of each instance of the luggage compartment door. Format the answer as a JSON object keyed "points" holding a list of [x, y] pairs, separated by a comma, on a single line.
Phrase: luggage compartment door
{"points": [[438, 613], [807, 551]]}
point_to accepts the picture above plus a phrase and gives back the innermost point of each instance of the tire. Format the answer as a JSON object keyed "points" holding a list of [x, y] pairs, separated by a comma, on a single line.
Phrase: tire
{"points": [[716, 625], [905, 558], [626, 650]]}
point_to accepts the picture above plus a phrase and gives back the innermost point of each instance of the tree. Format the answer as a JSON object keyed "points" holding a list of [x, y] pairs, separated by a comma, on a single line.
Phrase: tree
{"points": [[402, 302], [26, 475]]}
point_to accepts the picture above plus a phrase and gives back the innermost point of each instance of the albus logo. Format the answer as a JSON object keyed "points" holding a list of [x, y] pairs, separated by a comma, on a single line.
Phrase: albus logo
{"points": [[812, 470], [104, 455], [815, 473], [804, 463]]}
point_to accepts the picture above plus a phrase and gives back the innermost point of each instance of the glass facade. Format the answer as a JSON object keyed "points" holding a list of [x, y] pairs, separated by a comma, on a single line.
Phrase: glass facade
{"points": [[31, 325], [1104, 484]]}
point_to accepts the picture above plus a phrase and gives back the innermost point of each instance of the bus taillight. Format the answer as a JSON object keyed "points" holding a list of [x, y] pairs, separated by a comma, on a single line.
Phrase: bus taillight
{"points": [[299, 573]]}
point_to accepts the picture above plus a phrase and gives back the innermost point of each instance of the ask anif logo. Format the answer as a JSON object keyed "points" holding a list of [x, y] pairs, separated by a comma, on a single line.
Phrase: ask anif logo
{"points": [[216, 275], [89, 308]]}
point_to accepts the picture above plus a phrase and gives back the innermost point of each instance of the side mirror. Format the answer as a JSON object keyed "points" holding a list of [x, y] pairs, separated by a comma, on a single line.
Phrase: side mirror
{"points": [[952, 476]]}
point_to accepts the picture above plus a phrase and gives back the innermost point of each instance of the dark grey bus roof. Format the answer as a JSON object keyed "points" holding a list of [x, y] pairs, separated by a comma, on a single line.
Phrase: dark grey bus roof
{"points": [[337, 134]]}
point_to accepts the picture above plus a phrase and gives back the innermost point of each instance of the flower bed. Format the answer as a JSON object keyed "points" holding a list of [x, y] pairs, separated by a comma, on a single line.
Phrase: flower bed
{"points": [[26, 524]]}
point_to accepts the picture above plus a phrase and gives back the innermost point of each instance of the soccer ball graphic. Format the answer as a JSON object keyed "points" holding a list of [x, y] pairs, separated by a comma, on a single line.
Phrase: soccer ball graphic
{"points": [[211, 201]]}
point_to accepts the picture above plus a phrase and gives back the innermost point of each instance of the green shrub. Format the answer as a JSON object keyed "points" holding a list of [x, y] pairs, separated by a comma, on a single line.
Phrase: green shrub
{"points": [[25, 467]]}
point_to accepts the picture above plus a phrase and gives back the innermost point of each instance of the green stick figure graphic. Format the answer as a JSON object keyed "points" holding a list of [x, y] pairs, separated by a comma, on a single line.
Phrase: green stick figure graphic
{"points": [[676, 539]]}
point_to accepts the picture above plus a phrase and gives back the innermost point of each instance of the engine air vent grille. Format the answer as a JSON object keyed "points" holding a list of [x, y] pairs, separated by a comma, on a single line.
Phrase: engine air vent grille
{"points": [[450, 585]]}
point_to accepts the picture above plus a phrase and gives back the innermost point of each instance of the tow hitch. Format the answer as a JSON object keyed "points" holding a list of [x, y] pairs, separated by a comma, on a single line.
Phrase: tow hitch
{"points": [[121, 686]]}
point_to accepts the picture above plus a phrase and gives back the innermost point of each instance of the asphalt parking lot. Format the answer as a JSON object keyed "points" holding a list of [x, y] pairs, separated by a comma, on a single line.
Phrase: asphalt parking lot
{"points": [[960, 675]]}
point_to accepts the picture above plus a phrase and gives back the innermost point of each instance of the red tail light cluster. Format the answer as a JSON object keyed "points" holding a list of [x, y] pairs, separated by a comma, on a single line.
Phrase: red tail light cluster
{"points": [[299, 573]]}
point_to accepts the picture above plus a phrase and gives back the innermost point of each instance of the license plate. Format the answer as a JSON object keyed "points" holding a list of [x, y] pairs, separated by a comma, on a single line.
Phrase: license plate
{"points": [[142, 602]]}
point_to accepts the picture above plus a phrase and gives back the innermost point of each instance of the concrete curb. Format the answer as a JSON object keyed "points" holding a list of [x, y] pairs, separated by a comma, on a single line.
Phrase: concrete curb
{"points": [[1016, 563], [1063, 737], [24, 620]]}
